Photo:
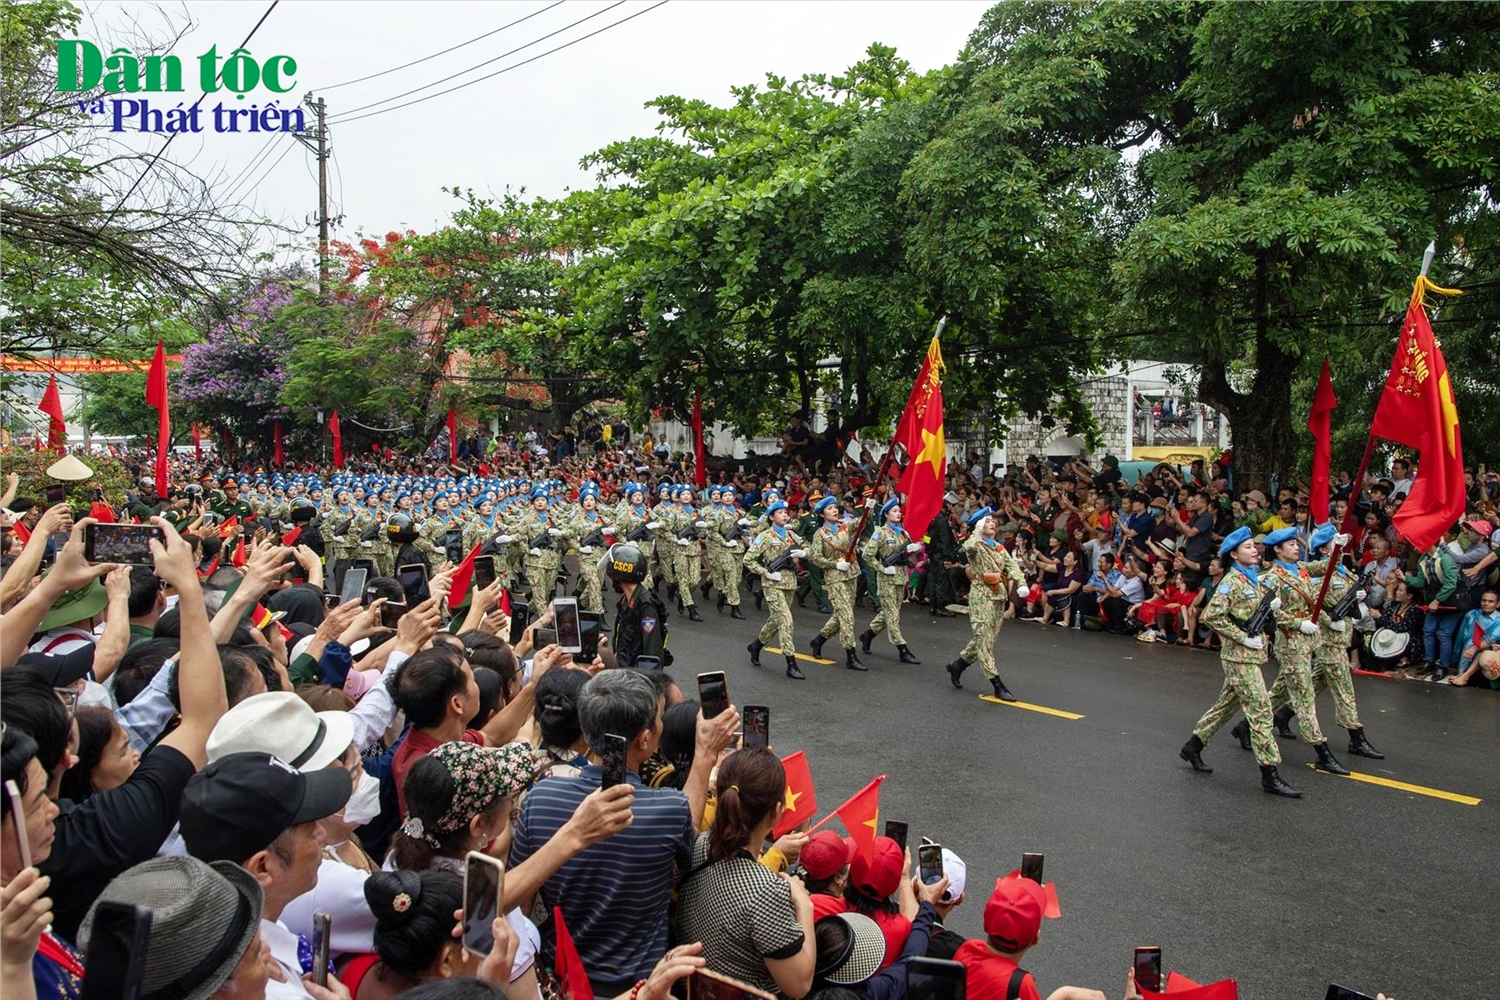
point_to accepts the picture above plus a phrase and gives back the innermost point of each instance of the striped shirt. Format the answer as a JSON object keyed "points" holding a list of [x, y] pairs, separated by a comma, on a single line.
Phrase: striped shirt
{"points": [[614, 894]]}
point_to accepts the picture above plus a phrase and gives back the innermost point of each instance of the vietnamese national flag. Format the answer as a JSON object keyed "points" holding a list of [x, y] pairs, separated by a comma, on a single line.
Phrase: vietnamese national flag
{"points": [[801, 799], [290, 538], [573, 980], [1180, 987], [920, 431], [227, 528], [1417, 409], [861, 816], [505, 603], [238, 558], [452, 437], [463, 576], [102, 512], [156, 395], [338, 440], [1320, 425], [700, 466], [57, 428]]}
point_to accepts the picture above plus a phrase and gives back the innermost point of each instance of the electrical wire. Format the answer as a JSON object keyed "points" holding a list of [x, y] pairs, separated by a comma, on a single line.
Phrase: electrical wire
{"points": [[260, 180], [354, 112], [234, 185], [455, 48]]}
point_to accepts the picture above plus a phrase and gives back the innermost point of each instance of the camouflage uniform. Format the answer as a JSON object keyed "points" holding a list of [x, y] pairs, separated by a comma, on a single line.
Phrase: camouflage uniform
{"points": [[987, 608], [663, 553], [724, 565], [769, 546], [1294, 651], [590, 586], [885, 542], [686, 560], [1331, 661], [828, 548], [441, 538], [1234, 602], [542, 563]]}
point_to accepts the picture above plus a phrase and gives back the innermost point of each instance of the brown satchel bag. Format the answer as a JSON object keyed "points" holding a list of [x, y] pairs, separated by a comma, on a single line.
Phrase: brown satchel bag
{"points": [[993, 579]]}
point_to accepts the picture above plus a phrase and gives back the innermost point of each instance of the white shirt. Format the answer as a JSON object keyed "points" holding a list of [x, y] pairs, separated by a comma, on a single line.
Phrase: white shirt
{"points": [[283, 945], [340, 892]]}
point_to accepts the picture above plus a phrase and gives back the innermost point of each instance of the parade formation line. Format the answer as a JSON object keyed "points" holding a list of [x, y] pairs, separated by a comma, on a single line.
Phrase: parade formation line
{"points": [[1436, 793], [1043, 709]]}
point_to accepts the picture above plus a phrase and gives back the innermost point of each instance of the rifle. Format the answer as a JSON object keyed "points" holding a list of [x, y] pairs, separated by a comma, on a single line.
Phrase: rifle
{"points": [[897, 558], [541, 541], [592, 539], [1262, 616], [1346, 605], [784, 561], [640, 534]]}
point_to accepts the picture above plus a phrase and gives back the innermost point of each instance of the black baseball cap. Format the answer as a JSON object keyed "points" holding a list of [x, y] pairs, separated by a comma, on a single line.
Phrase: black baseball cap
{"points": [[241, 802]]}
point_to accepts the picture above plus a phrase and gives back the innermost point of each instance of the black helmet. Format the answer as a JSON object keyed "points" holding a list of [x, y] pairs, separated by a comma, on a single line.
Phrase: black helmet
{"points": [[624, 563], [302, 510], [399, 530]]}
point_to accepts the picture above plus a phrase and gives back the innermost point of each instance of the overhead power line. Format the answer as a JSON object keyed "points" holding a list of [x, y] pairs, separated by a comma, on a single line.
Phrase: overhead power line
{"points": [[454, 48]]}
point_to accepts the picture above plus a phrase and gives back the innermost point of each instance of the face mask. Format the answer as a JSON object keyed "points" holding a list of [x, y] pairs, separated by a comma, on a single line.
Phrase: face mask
{"points": [[364, 803], [1455, 548]]}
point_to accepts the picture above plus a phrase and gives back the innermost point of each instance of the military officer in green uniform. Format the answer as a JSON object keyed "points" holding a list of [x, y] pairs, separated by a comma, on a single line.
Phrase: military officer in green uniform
{"points": [[829, 552], [889, 540], [231, 505], [1235, 602], [993, 570], [770, 549]]}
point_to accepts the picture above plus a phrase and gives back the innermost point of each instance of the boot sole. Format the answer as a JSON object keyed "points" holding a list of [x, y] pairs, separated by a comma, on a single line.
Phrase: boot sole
{"points": [[1284, 793], [1205, 769]]}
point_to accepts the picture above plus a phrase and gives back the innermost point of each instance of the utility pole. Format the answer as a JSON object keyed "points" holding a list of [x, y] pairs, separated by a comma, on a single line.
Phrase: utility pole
{"points": [[317, 141]]}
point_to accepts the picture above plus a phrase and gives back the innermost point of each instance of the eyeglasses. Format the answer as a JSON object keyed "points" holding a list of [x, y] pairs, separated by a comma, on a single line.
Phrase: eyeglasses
{"points": [[69, 698]]}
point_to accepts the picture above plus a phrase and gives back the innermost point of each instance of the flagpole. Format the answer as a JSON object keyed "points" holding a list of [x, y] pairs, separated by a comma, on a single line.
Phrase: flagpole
{"points": [[1348, 527], [885, 466]]}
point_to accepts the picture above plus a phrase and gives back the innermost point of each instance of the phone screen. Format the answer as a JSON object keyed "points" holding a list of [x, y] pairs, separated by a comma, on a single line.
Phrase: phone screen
{"points": [[1337, 992], [569, 629], [116, 958], [541, 638], [354, 584], [1148, 968], [757, 727], [930, 863], [934, 979], [520, 617], [589, 623], [1031, 867], [413, 577], [484, 571], [896, 830], [56, 495], [713, 693], [128, 544], [18, 817], [390, 613], [483, 878], [612, 759], [648, 663], [322, 931]]}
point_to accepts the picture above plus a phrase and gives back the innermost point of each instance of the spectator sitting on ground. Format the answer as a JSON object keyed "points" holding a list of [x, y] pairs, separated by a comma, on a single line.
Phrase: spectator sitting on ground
{"points": [[1479, 663]]}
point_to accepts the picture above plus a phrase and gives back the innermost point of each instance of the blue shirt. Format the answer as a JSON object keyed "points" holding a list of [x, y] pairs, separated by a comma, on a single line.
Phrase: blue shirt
{"points": [[614, 894]]}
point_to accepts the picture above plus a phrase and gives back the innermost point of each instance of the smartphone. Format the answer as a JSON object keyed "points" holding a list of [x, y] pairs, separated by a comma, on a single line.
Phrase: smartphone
{"points": [[1031, 867], [413, 578], [757, 727], [1148, 968], [354, 584], [330, 601], [930, 863], [648, 663], [18, 816], [934, 979], [705, 984], [484, 571], [57, 540], [1337, 992], [713, 693], [565, 620], [896, 830], [484, 879], [612, 759], [541, 638], [589, 623], [520, 617], [121, 543], [116, 959], [322, 931], [56, 495], [390, 613]]}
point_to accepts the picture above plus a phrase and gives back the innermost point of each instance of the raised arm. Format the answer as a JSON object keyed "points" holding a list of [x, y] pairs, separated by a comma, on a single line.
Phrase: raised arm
{"points": [[200, 680]]}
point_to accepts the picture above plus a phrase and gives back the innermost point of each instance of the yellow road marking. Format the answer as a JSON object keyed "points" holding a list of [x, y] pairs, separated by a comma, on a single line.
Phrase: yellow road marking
{"points": [[800, 656], [1032, 708], [1436, 793]]}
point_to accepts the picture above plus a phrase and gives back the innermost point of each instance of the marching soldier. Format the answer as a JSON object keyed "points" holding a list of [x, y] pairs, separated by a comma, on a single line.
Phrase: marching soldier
{"points": [[635, 522], [589, 529], [829, 551], [687, 566], [992, 569], [1235, 602], [812, 582], [663, 552], [724, 551], [889, 541], [770, 557], [544, 540], [442, 534]]}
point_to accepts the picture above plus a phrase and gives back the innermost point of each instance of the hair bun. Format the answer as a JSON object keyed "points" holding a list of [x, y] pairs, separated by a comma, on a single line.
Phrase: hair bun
{"points": [[393, 895]]}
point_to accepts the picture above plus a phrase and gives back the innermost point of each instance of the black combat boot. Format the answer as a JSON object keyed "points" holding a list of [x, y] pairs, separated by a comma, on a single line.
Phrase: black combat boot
{"points": [[792, 670], [1001, 691], [817, 644], [906, 654], [1360, 747], [735, 612], [692, 613], [956, 671], [852, 660], [1283, 720], [703, 589], [1327, 761], [1192, 752], [720, 605], [1270, 781], [755, 647], [1241, 732], [865, 638]]}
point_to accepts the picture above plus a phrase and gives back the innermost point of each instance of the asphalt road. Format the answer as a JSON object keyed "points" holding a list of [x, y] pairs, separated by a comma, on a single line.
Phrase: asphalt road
{"points": [[1370, 886]]}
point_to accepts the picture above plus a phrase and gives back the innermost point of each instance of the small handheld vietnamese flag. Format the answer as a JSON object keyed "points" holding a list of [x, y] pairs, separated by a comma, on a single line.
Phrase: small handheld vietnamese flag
{"points": [[238, 559], [290, 538], [573, 979], [227, 528], [463, 576], [1180, 987], [801, 799], [861, 815]]}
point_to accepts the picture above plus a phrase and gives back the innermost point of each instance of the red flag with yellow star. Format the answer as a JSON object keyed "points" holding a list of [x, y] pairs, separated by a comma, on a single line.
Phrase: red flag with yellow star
{"points": [[861, 816], [1418, 409], [801, 800], [920, 431]]}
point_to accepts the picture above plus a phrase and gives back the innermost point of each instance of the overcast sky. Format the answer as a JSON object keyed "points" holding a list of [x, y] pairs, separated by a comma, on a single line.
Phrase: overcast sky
{"points": [[526, 128]]}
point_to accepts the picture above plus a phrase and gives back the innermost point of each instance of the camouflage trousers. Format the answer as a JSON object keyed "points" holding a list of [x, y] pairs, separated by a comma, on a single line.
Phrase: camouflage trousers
{"points": [[663, 560], [984, 619], [1294, 686], [778, 624], [724, 570], [1330, 672], [590, 586], [687, 570], [840, 595], [1244, 690], [541, 573], [889, 589]]}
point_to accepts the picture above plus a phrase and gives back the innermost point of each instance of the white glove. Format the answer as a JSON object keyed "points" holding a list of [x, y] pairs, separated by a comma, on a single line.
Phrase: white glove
{"points": [[1364, 610], [1275, 604], [535, 552], [608, 529], [1341, 539], [744, 522], [700, 524], [913, 546], [842, 566], [684, 542], [341, 539], [585, 549], [505, 539], [870, 504], [1337, 626], [1307, 627], [799, 553], [731, 544], [1253, 642], [1023, 591], [653, 525], [774, 577], [555, 532], [1360, 595], [367, 545], [888, 570]]}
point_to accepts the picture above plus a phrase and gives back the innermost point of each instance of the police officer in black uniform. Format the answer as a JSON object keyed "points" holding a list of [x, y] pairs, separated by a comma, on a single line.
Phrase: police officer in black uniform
{"points": [[640, 616], [401, 533]]}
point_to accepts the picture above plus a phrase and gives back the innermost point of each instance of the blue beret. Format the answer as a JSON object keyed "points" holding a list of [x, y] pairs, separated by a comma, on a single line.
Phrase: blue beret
{"points": [[824, 504], [539, 492], [774, 506], [979, 515], [1322, 535], [1280, 535], [885, 508], [1236, 538]]}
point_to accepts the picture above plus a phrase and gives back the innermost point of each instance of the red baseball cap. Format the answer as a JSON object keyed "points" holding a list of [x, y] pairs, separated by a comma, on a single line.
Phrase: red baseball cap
{"points": [[825, 854], [1013, 915], [880, 876]]}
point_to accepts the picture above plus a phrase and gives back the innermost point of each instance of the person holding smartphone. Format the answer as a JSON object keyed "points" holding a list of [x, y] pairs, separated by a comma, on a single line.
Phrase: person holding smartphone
{"points": [[25, 909]]}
